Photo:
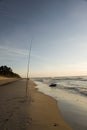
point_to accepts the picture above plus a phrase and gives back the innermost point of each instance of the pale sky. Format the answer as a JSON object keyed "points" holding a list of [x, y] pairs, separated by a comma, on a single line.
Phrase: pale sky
{"points": [[58, 30]]}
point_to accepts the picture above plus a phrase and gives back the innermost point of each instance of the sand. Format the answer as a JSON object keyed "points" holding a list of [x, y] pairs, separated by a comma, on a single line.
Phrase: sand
{"points": [[37, 112], [73, 106], [44, 112], [5, 80]]}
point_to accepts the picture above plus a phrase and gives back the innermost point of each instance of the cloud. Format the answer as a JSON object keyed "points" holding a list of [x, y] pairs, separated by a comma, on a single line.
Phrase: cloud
{"points": [[8, 51], [14, 51]]}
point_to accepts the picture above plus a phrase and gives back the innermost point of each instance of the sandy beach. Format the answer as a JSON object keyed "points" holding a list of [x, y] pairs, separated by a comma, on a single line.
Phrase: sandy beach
{"points": [[38, 112], [73, 106], [44, 112], [5, 80]]}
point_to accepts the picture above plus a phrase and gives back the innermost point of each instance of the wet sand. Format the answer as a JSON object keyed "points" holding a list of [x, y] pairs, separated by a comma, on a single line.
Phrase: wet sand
{"points": [[73, 106], [44, 112], [74, 109]]}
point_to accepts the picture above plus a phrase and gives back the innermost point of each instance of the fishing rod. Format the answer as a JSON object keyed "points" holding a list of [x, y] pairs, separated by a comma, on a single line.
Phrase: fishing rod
{"points": [[28, 68]]}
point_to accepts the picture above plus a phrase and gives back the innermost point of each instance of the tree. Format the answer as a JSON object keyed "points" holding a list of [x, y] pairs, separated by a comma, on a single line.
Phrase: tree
{"points": [[7, 71]]}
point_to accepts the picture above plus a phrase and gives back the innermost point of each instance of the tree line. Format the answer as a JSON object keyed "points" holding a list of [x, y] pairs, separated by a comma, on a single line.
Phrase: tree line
{"points": [[7, 71]]}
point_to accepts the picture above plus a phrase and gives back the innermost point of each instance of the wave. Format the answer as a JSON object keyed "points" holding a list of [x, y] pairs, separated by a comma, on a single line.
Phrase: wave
{"points": [[75, 84], [77, 90]]}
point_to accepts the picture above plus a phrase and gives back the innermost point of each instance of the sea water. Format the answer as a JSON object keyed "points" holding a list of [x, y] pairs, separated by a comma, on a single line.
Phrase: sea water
{"points": [[73, 84], [71, 96]]}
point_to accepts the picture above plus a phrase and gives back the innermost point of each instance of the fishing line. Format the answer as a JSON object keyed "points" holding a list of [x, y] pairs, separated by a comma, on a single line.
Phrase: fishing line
{"points": [[28, 68]]}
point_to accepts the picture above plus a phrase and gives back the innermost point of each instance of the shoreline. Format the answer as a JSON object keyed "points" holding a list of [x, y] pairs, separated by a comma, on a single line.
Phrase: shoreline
{"points": [[44, 112], [38, 112], [72, 106]]}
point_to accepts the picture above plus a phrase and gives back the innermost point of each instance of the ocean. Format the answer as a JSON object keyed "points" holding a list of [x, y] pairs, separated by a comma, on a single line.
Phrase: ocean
{"points": [[73, 84], [71, 96]]}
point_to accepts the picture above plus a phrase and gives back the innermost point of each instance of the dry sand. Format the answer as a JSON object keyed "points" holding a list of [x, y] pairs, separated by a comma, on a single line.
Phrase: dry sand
{"points": [[43, 111], [5, 80]]}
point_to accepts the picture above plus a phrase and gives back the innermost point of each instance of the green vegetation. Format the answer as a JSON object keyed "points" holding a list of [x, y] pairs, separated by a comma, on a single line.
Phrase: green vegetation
{"points": [[7, 72]]}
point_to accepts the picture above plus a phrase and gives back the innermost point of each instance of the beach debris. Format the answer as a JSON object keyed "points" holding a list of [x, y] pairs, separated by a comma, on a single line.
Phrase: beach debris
{"points": [[52, 85], [55, 124]]}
